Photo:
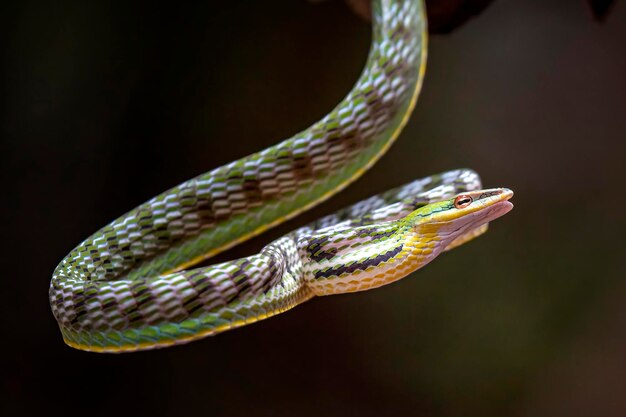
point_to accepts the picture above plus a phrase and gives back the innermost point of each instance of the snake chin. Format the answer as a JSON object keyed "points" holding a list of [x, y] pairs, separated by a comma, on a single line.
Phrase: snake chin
{"points": [[471, 224]]}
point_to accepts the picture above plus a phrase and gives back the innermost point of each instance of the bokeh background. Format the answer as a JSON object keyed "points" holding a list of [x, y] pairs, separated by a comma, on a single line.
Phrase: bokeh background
{"points": [[109, 104]]}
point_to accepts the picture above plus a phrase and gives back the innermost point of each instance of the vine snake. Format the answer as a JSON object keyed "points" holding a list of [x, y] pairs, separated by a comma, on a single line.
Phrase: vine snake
{"points": [[131, 285]]}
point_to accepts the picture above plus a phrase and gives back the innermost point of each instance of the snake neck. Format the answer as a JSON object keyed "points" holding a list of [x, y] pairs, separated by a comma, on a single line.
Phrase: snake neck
{"points": [[361, 258]]}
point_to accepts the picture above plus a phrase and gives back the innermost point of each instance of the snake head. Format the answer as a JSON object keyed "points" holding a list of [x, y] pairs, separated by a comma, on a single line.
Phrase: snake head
{"points": [[457, 220]]}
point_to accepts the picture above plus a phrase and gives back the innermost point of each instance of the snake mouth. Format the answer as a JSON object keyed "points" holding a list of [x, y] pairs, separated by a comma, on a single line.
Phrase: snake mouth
{"points": [[500, 205], [492, 211], [470, 207], [495, 211], [467, 212], [492, 204]]}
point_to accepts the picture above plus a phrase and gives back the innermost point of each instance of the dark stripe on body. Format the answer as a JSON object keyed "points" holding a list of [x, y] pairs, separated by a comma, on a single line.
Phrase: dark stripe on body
{"points": [[362, 266], [318, 252]]}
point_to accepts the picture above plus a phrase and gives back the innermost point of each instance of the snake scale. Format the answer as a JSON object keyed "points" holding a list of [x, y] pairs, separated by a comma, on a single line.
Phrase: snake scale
{"points": [[131, 285]]}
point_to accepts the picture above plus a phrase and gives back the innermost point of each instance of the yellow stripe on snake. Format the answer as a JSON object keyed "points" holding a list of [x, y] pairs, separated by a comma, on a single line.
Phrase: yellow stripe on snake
{"points": [[130, 286]]}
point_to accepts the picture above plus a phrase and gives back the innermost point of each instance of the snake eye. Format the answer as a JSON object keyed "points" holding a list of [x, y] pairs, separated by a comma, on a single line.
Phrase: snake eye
{"points": [[462, 201]]}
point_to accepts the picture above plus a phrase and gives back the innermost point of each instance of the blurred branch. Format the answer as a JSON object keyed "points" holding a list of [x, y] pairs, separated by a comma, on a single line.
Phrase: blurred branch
{"points": [[444, 16], [600, 8]]}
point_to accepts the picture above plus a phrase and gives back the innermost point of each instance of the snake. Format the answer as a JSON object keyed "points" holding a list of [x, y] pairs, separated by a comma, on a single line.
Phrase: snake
{"points": [[135, 284]]}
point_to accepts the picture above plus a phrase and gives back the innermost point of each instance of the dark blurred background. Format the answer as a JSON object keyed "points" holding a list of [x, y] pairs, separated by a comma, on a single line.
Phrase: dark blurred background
{"points": [[108, 104]]}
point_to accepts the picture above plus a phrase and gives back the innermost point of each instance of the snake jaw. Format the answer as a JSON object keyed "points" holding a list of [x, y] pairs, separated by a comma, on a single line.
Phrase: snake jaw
{"points": [[453, 225]]}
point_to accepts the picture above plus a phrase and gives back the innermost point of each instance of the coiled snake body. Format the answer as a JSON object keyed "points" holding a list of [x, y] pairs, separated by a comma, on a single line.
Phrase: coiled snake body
{"points": [[130, 286]]}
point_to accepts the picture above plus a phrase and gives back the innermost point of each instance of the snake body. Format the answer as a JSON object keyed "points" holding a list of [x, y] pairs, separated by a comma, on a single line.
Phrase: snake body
{"points": [[129, 286]]}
